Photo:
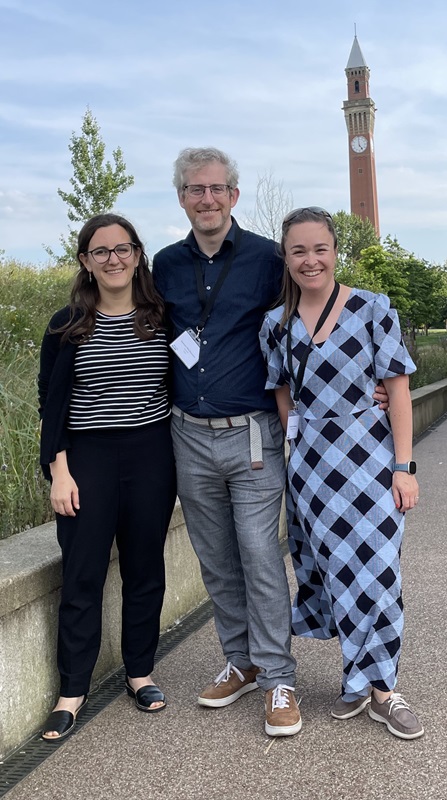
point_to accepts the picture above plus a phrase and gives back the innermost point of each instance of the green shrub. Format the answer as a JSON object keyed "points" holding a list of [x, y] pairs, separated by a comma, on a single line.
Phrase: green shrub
{"points": [[28, 299], [24, 494], [431, 364]]}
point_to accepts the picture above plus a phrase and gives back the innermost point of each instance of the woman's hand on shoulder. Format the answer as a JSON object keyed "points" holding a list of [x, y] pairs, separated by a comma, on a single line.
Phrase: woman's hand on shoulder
{"points": [[405, 491]]}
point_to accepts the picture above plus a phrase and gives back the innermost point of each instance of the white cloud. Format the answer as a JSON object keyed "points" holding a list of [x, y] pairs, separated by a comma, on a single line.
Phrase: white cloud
{"points": [[266, 83]]}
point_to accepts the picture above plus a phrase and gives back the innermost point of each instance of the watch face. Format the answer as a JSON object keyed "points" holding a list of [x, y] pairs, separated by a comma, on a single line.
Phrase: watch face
{"points": [[412, 467], [359, 144]]}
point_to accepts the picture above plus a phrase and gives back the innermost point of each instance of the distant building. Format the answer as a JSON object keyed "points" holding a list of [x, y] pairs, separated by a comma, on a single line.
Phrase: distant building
{"points": [[359, 111]]}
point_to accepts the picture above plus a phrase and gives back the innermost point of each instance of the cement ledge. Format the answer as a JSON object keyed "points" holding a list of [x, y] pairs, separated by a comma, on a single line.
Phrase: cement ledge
{"points": [[30, 563], [429, 404]]}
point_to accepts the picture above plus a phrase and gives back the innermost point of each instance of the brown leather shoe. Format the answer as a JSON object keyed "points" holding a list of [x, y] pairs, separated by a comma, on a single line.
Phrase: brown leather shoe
{"points": [[282, 715], [231, 684]]}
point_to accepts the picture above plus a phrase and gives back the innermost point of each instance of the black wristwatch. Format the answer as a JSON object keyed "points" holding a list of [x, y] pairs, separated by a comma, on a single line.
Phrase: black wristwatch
{"points": [[408, 466]]}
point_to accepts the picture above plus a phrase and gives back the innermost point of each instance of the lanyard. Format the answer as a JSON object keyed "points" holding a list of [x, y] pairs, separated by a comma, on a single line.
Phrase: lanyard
{"points": [[208, 303], [303, 360]]}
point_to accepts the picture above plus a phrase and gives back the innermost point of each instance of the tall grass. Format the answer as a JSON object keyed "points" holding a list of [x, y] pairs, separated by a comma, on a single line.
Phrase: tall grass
{"points": [[28, 299], [24, 494], [431, 363]]}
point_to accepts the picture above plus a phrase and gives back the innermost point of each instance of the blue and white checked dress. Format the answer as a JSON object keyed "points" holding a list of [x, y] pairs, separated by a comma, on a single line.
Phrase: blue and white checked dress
{"points": [[345, 533]]}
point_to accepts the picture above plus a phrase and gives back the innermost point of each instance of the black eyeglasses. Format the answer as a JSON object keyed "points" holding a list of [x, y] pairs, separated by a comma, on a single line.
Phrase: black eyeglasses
{"points": [[102, 254], [198, 190], [298, 211]]}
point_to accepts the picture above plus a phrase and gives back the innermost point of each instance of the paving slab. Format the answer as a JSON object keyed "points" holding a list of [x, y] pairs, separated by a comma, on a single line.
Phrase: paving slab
{"points": [[189, 752]]}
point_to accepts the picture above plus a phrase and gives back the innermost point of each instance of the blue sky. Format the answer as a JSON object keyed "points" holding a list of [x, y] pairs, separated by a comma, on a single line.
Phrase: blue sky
{"points": [[262, 80]]}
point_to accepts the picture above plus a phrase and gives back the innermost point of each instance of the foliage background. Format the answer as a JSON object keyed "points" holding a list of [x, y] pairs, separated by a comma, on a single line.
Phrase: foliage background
{"points": [[29, 297]]}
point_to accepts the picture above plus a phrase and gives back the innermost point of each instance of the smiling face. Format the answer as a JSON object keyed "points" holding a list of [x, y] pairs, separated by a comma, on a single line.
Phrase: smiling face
{"points": [[208, 215], [115, 275], [310, 255]]}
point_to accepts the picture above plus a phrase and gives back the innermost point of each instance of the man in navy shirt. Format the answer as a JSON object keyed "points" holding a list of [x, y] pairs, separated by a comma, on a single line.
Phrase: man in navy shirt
{"points": [[228, 439]]}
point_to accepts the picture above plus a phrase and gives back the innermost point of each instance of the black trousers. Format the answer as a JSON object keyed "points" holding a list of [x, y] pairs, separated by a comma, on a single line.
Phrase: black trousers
{"points": [[127, 489]]}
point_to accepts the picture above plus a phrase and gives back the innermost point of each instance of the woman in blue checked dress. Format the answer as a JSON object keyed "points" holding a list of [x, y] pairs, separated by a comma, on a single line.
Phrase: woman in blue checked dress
{"points": [[350, 474]]}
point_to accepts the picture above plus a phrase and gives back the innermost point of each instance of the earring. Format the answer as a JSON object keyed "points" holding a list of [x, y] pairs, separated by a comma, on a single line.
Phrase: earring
{"points": [[89, 276], [135, 272]]}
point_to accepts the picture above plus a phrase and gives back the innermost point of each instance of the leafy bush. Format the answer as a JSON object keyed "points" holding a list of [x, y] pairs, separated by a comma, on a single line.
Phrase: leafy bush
{"points": [[431, 363], [24, 494], [28, 299]]}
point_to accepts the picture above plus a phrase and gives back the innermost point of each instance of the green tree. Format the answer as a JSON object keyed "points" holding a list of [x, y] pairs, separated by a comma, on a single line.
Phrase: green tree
{"points": [[354, 234], [96, 183], [427, 287], [440, 321], [387, 272]]}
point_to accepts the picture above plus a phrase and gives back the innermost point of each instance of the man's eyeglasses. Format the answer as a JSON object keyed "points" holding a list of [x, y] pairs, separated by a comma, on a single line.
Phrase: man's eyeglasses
{"points": [[298, 211], [198, 190], [102, 254]]}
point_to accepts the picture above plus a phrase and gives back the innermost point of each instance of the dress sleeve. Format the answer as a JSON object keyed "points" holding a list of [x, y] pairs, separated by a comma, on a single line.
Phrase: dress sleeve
{"points": [[272, 354], [391, 357]]}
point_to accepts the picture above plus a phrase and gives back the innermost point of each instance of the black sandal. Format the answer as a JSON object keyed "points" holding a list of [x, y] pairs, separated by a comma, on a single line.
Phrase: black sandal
{"points": [[63, 722], [145, 696]]}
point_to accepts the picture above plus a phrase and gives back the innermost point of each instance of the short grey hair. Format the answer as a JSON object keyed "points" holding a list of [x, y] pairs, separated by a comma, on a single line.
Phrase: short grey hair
{"points": [[194, 158]]}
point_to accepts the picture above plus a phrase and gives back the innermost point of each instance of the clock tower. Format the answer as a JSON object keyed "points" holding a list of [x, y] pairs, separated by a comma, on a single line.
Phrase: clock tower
{"points": [[359, 111]]}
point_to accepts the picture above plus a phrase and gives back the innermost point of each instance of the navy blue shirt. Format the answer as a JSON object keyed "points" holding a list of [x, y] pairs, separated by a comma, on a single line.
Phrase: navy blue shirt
{"points": [[230, 375]]}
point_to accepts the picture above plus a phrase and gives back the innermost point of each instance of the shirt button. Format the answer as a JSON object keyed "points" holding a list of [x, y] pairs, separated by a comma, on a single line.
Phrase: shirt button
{"points": [[202, 369], [211, 261], [208, 287], [205, 341], [201, 398]]}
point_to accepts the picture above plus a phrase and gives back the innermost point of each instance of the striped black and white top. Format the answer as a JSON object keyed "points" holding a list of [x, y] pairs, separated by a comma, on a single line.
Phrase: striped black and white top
{"points": [[119, 379]]}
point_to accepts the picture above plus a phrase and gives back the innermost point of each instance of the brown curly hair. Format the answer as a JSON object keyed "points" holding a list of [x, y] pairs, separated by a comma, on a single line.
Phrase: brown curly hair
{"points": [[85, 296]]}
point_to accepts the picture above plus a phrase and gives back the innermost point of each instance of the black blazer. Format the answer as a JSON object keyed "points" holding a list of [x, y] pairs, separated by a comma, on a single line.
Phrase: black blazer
{"points": [[55, 383]]}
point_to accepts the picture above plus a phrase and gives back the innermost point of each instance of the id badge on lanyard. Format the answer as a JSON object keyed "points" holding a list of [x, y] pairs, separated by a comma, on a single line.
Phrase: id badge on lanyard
{"points": [[292, 424], [187, 347]]}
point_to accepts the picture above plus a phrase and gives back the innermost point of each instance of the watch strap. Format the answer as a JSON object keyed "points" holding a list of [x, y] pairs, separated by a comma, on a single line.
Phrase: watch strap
{"points": [[406, 466]]}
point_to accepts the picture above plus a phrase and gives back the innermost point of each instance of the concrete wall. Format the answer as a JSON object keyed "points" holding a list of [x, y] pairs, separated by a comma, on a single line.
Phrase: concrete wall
{"points": [[30, 579], [429, 403]]}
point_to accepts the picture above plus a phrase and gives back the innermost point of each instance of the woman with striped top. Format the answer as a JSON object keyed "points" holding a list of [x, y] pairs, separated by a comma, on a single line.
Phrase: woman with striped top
{"points": [[106, 448]]}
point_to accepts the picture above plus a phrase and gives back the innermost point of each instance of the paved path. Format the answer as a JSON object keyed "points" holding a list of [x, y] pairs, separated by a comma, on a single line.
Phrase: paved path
{"points": [[205, 754]]}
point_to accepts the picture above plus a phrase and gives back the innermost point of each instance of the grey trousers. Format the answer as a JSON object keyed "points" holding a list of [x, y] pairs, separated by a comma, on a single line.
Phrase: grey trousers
{"points": [[232, 514]]}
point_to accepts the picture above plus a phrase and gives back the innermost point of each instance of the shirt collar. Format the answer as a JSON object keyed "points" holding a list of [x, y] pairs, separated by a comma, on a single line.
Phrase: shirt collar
{"points": [[191, 242]]}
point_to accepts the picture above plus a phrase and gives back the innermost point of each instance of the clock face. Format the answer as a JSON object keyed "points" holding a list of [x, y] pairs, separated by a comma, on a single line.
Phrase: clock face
{"points": [[359, 144]]}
